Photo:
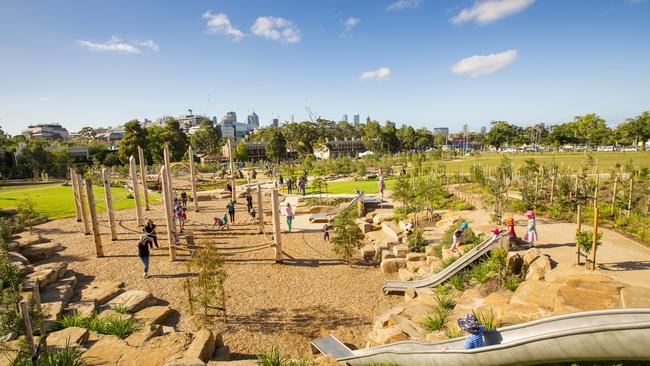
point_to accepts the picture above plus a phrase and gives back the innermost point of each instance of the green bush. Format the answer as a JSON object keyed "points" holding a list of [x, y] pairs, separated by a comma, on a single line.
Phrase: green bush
{"points": [[444, 300], [480, 272], [71, 355], [121, 308], [488, 320], [416, 242], [117, 326], [511, 282], [435, 321], [585, 239], [274, 357]]}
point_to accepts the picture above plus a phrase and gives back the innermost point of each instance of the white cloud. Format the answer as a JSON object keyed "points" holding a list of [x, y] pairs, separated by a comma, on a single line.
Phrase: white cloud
{"points": [[220, 24], [379, 74], [276, 29], [352, 22], [112, 45], [476, 65], [484, 12], [403, 4], [150, 44]]}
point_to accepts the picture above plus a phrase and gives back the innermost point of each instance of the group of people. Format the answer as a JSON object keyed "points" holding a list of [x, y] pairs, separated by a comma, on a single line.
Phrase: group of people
{"points": [[530, 237]]}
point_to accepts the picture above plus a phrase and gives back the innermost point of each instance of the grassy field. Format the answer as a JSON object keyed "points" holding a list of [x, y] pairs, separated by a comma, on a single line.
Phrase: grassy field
{"points": [[367, 186], [605, 160], [54, 201]]}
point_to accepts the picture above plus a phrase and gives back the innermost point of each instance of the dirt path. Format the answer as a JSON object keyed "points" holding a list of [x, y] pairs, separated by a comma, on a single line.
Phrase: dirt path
{"points": [[288, 305]]}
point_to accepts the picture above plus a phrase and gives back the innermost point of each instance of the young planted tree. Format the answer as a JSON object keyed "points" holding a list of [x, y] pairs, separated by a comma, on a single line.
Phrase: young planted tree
{"points": [[205, 290], [528, 173], [347, 235], [498, 186], [26, 215]]}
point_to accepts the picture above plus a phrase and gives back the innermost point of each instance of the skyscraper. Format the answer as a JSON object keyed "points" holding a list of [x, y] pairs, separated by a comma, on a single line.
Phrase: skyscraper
{"points": [[275, 122], [253, 120], [229, 117], [356, 118], [345, 118]]}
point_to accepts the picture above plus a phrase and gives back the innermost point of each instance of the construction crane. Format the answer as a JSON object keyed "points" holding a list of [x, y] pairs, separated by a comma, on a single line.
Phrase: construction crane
{"points": [[311, 115]]}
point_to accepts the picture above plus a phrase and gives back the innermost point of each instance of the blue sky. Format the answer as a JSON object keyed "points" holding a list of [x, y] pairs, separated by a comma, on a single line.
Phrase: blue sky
{"points": [[102, 63]]}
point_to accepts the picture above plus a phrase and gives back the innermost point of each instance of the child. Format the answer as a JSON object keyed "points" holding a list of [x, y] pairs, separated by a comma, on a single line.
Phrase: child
{"points": [[182, 217], [457, 238], [382, 186], [184, 198], [289, 211], [144, 244], [495, 232], [469, 324], [253, 213], [531, 234], [150, 231], [510, 223], [326, 232]]}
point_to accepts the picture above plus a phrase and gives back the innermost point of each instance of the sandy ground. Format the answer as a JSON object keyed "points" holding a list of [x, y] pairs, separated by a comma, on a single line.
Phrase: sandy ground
{"points": [[312, 294]]}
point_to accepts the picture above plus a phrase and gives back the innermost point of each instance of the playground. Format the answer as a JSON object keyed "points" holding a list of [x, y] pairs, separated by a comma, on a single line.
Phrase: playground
{"points": [[394, 299]]}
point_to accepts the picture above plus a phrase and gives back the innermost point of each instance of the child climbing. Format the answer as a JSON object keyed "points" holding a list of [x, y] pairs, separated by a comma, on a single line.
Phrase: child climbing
{"points": [[470, 325], [150, 231], [457, 238], [144, 244], [531, 233], [510, 223]]}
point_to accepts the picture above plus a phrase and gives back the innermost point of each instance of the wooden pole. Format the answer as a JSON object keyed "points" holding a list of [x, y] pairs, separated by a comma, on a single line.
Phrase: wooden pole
{"points": [[84, 209], [277, 238], [579, 225], [190, 152], [614, 195], [136, 191], [29, 334], [260, 207], [143, 177], [552, 188], [594, 248], [99, 251], [109, 203], [168, 175], [629, 201], [233, 192], [37, 304], [73, 182], [596, 191], [168, 214]]}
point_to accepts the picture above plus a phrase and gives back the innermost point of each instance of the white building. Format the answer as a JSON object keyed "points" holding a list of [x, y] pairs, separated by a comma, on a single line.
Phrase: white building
{"points": [[46, 131]]}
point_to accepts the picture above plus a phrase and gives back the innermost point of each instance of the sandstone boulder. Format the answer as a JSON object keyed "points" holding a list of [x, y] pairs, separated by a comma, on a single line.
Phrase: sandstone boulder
{"points": [[406, 325], [431, 250], [101, 291], [595, 282], [416, 257], [400, 251], [538, 268], [530, 255], [133, 300], [415, 266], [68, 336], [83, 307], [153, 314], [52, 312], [515, 263], [38, 252], [536, 294], [108, 350], [59, 267], [405, 274], [368, 253], [17, 258], [570, 299], [59, 293], [144, 334], [391, 229], [388, 335], [381, 321], [185, 361], [520, 313], [203, 346], [389, 265], [110, 313], [44, 278]]}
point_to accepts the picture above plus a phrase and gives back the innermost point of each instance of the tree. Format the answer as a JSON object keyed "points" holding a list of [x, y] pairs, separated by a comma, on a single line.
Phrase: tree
{"points": [[241, 152], [207, 139], [407, 138], [134, 136], [501, 133], [60, 160], [372, 136], [176, 138], [33, 158], [276, 147], [209, 280], [390, 142], [347, 235], [87, 133], [26, 215], [637, 129], [498, 186], [155, 144]]}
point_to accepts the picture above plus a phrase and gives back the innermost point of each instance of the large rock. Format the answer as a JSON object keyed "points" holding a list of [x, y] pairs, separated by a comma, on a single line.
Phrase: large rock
{"points": [[40, 252], [415, 266], [595, 282], [202, 346], [382, 217], [58, 267], [563, 271], [144, 334], [185, 361], [388, 335], [431, 250], [495, 300], [110, 313], [368, 253], [635, 297], [520, 313], [538, 269], [381, 321], [406, 325], [515, 263], [61, 293], [405, 274], [416, 257], [536, 293], [133, 300], [571, 299], [391, 229], [101, 291], [530, 255], [52, 312], [15, 257], [82, 307], [68, 336], [392, 265], [365, 227], [417, 311], [401, 250], [44, 278], [153, 314], [108, 350]]}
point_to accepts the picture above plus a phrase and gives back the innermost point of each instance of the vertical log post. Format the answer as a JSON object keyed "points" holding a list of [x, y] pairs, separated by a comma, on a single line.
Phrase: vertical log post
{"points": [[136, 191], [233, 192], [614, 195], [82, 201], [594, 247], [190, 152], [629, 201], [99, 251], [168, 175], [109, 203], [73, 182], [596, 191], [260, 207], [143, 177], [29, 334], [168, 214], [579, 227], [277, 238], [37, 304]]}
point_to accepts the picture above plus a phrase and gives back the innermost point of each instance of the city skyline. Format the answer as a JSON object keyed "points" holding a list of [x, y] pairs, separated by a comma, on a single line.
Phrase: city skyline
{"points": [[426, 63]]}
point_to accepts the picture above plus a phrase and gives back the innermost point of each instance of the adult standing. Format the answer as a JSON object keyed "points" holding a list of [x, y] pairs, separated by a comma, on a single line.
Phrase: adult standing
{"points": [[289, 212], [231, 210], [150, 231], [144, 244], [289, 185], [382, 185], [249, 202]]}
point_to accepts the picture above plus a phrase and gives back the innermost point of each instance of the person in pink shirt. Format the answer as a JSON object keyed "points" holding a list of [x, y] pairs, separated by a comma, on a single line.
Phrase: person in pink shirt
{"points": [[289, 212]]}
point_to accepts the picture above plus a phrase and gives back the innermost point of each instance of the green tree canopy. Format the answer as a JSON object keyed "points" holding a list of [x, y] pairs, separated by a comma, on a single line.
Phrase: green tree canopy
{"points": [[134, 135], [207, 139]]}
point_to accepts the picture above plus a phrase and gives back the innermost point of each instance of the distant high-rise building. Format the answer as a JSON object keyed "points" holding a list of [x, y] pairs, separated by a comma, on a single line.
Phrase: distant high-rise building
{"points": [[483, 130], [355, 117], [253, 120], [345, 118], [465, 129], [441, 130], [368, 119], [229, 117], [275, 122]]}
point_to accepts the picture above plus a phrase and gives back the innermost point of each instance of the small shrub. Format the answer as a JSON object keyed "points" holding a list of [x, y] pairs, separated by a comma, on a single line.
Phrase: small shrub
{"points": [[511, 282], [71, 355], [436, 320], [272, 357], [585, 238], [121, 308], [454, 333], [120, 327], [459, 280], [26, 215], [416, 242], [444, 300], [480, 272], [488, 320]]}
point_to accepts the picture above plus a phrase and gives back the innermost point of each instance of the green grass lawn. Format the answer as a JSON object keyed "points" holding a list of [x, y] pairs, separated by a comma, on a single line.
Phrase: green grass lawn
{"points": [[605, 160], [54, 201], [367, 186]]}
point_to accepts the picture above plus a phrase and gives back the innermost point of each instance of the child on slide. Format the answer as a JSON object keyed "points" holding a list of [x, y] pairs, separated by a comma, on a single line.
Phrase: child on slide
{"points": [[531, 233], [470, 325], [457, 238]]}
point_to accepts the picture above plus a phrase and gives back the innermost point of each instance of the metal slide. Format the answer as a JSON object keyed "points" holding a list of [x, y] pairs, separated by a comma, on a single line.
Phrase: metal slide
{"points": [[335, 211], [615, 334], [442, 276]]}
